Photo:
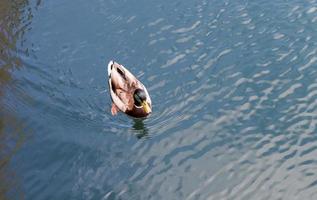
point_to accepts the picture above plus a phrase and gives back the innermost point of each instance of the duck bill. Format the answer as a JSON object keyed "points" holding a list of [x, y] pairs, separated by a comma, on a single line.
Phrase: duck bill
{"points": [[146, 107]]}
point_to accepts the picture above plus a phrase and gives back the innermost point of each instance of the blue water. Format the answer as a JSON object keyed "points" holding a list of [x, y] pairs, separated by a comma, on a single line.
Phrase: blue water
{"points": [[233, 85]]}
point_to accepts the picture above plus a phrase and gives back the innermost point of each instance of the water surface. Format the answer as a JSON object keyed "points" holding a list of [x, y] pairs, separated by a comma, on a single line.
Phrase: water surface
{"points": [[233, 85]]}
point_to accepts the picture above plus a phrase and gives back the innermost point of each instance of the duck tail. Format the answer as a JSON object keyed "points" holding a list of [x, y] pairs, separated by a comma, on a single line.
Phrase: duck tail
{"points": [[110, 67]]}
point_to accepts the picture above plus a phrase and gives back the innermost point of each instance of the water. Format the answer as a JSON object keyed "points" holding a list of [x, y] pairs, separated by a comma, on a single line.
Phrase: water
{"points": [[233, 85]]}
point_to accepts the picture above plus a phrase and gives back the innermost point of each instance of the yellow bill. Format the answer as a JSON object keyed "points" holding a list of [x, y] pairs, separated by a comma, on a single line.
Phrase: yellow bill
{"points": [[146, 107]]}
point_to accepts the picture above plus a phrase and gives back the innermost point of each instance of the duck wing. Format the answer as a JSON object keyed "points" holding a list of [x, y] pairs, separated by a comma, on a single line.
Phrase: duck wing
{"points": [[122, 85]]}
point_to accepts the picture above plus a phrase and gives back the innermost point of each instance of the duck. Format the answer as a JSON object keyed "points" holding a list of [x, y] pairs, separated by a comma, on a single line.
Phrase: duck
{"points": [[127, 93]]}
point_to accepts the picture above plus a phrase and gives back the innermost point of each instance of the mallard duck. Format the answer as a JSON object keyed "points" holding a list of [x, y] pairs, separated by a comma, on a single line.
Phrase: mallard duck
{"points": [[128, 94]]}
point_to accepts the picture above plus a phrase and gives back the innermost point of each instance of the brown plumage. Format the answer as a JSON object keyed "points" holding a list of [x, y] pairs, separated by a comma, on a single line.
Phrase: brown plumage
{"points": [[123, 86]]}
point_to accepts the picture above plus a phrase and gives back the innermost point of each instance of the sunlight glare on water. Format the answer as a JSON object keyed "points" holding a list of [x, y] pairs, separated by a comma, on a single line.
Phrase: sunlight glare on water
{"points": [[233, 85]]}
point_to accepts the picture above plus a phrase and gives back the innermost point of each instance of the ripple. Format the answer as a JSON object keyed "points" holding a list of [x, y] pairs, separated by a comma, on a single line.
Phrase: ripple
{"points": [[289, 91], [278, 36], [173, 60], [311, 10], [187, 29], [310, 62], [156, 22], [233, 90]]}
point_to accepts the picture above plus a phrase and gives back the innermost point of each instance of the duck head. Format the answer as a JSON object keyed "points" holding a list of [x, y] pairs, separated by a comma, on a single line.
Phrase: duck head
{"points": [[139, 97]]}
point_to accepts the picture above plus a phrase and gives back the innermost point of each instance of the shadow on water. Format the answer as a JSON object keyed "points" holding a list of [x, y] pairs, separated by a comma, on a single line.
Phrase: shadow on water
{"points": [[140, 128], [12, 130]]}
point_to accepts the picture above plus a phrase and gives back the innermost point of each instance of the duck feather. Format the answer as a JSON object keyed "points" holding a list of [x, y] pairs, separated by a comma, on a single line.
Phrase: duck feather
{"points": [[122, 84]]}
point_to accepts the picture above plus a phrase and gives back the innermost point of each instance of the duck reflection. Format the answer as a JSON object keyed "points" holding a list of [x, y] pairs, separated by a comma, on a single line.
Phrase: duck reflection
{"points": [[139, 128]]}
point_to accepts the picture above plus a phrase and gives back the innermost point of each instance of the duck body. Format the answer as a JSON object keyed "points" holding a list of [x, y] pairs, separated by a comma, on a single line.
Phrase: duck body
{"points": [[127, 93]]}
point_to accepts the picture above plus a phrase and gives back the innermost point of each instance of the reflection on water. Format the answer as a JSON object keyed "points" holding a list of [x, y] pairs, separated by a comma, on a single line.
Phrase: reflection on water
{"points": [[13, 23], [140, 128], [11, 136], [233, 85]]}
